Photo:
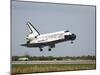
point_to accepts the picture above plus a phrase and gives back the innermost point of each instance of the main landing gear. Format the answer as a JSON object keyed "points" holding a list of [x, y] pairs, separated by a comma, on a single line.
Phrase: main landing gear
{"points": [[42, 49], [49, 49]]}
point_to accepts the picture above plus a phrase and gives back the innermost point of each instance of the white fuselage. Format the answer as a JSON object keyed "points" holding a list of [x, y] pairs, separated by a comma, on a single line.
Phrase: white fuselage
{"points": [[35, 39], [49, 37]]}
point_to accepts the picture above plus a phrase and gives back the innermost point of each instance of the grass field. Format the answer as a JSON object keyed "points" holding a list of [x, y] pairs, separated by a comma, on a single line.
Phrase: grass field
{"points": [[37, 68]]}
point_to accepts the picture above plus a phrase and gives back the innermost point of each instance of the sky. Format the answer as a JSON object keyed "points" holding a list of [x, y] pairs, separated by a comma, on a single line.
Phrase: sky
{"points": [[51, 17]]}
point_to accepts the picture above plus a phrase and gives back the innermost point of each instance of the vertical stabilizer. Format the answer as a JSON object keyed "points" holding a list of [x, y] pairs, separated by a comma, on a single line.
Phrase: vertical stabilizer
{"points": [[32, 29]]}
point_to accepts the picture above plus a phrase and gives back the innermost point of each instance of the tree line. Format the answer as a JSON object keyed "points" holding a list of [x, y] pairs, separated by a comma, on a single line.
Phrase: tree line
{"points": [[31, 58]]}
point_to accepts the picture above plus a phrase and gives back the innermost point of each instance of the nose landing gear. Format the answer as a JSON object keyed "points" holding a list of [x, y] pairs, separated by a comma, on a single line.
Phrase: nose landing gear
{"points": [[72, 42]]}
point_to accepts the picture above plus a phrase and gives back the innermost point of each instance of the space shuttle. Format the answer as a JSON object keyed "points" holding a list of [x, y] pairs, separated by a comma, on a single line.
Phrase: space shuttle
{"points": [[35, 39]]}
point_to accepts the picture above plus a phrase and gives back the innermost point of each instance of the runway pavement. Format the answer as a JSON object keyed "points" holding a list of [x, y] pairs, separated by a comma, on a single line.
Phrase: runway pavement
{"points": [[56, 62]]}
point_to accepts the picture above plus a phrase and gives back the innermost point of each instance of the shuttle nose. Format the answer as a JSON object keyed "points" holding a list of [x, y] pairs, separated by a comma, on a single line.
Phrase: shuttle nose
{"points": [[73, 37]]}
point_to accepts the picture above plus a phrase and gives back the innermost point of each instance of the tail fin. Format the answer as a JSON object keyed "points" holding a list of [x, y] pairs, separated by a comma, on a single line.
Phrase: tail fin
{"points": [[32, 29]]}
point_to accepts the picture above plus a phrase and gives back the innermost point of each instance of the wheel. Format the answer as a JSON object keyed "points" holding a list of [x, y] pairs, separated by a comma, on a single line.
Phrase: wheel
{"points": [[41, 49], [49, 49], [71, 42]]}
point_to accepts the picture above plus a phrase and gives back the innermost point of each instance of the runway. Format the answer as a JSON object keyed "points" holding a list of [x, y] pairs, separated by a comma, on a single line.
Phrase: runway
{"points": [[56, 62]]}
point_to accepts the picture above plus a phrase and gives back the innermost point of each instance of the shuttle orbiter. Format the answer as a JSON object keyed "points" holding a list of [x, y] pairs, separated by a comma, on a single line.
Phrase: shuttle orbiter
{"points": [[35, 39]]}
